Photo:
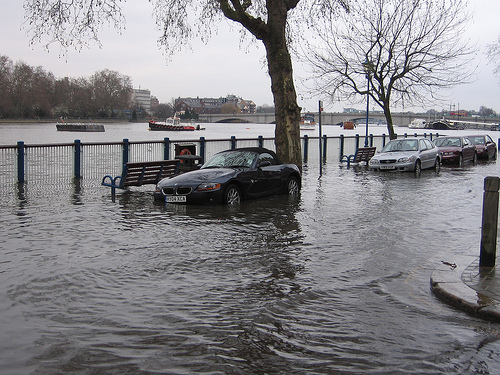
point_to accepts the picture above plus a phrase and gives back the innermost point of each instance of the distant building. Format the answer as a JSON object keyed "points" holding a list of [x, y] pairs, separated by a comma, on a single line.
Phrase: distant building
{"points": [[154, 103], [142, 99], [215, 105]]}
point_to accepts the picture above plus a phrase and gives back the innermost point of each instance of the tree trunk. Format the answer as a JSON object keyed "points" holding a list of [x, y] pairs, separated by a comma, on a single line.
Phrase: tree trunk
{"points": [[388, 119], [287, 132]]}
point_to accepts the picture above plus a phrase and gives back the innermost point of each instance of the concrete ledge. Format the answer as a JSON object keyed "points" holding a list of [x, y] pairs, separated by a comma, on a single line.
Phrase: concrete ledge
{"points": [[447, 283]]}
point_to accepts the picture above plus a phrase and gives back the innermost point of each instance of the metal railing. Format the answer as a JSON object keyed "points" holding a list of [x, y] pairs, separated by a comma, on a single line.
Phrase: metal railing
{"points": [[53, 164]]}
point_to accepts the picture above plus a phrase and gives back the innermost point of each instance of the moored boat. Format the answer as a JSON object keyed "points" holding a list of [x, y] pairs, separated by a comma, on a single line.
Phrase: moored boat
{"points": [[171, 123], [80, 127], [307, 121]]}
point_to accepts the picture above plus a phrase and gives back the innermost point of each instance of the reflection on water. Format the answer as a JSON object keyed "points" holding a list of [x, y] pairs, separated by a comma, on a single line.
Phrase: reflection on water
{"points": [[335, 281]]}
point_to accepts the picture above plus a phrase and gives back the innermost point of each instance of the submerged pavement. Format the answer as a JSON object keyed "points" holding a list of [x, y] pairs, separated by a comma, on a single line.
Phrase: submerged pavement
{"points": [[460, 282]]}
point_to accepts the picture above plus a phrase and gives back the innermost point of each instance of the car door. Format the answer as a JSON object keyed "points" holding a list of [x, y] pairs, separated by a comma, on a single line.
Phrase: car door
{"points": [[468, 149], [490, 146], [425, 153], [268, 173]]}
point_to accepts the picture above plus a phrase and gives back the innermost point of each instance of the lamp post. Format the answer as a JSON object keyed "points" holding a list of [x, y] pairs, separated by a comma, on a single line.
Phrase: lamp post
{"points": [[367, 65]]}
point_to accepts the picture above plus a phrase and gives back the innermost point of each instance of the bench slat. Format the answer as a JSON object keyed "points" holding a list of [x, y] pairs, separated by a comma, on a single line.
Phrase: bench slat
{"points": [[141, 173], [138, 174], [362, 154]]}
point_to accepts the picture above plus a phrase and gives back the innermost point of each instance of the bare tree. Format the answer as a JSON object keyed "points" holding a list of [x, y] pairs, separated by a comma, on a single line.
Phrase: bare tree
{"points": [[6, 68], [493, 52], [399, 52], [75, 22], [110, 90]]}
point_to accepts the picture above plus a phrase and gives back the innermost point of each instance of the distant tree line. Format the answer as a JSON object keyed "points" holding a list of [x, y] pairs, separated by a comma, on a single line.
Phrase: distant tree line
{"points": [[31, 92]]}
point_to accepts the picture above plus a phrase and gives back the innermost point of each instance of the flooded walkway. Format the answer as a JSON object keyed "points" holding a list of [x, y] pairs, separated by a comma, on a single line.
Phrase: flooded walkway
{"points": [[336, 282]]}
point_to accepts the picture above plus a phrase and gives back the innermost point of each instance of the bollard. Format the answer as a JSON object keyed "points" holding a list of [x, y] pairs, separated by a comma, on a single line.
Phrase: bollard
{"points": [[490, 222]]}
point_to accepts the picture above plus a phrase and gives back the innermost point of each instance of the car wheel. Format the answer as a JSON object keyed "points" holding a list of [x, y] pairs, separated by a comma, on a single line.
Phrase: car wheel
{"points": [[460, 160], [292, 186], [418, 168], [437, 165], [232, 196]]}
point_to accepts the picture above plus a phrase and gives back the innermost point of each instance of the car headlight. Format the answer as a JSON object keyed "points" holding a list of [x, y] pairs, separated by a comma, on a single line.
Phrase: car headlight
{"points": [[374, 161], [208, 186], [404, 160]]}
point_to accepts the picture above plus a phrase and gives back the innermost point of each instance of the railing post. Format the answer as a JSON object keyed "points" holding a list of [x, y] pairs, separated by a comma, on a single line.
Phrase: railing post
{"points": [[357, 141], [20, 162], [306, 147], [126, 150], [261, 141], [78, 158], [202, 149], [341, 147], [371, 140], [325, 141], [233, 142], [490, 222], [166, 148]]}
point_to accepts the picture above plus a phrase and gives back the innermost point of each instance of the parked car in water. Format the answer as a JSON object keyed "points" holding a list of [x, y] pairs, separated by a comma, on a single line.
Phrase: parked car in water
{"points": [[486, 148], [456, 149], [232, 176], [408, 154]]}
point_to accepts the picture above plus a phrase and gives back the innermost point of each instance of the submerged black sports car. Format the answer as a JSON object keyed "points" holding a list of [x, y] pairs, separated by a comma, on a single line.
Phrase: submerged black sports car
{"points": [[231, 176]]}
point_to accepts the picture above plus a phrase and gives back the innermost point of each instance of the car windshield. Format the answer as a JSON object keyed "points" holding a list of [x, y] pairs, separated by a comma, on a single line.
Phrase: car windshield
{"points": [[231, 159], [401, 145], [447, 142]]}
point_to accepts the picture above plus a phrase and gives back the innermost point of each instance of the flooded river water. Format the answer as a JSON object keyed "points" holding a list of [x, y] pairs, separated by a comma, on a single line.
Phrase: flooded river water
{"points": [[333, 282]]}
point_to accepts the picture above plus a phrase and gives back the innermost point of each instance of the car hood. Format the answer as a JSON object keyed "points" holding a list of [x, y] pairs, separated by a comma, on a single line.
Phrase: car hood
{"points": [[199, 176], [394, 155]]}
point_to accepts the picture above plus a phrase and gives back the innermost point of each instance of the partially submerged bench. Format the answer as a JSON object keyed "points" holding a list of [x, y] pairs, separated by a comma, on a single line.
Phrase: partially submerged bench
{"points": [[362, 154], [141, 173]]}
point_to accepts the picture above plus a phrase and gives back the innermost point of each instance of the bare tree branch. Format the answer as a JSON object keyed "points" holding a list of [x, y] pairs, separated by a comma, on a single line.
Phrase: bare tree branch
{"points": [[415, 48]]}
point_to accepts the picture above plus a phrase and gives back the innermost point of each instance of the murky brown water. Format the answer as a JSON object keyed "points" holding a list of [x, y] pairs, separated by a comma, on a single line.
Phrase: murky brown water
{"points": [[336, 282]]}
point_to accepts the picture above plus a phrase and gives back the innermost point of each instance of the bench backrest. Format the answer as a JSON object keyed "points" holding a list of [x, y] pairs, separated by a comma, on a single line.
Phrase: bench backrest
{"points": [[150, 172], [364, 154]]}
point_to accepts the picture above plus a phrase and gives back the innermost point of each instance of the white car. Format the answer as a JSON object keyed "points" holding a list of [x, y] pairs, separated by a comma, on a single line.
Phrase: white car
{"points": [[408, 154]]}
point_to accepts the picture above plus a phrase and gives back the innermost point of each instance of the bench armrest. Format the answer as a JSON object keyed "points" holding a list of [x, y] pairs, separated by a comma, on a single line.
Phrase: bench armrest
{"points": [[113, 182]]}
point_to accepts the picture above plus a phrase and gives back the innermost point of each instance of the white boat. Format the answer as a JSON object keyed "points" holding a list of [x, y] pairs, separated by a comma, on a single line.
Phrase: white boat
{"points": [[307, 121], [417, 123]]}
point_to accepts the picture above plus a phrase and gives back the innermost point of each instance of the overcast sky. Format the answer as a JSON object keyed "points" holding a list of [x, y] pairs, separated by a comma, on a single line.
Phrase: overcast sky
{"points": [[216, 69]]}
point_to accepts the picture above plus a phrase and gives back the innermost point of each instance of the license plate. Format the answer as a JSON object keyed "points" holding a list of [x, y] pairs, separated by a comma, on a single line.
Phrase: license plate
{"points": [[175, 198], [387, 167]]}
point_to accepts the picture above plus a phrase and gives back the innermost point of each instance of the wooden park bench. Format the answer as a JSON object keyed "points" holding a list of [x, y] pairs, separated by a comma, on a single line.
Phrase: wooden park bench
{"points": [[362, 154], [141, 173]]}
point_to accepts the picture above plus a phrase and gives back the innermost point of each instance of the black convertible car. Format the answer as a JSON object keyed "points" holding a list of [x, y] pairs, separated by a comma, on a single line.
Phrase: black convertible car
{"points": [[230, 177]]}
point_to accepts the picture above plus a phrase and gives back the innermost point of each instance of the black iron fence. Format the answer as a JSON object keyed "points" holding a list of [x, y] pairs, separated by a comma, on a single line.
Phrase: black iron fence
{"points": [[52, 164]]}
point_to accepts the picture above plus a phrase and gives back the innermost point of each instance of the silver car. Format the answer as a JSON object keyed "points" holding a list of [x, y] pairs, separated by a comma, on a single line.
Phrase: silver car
{"points": [[408, 154]]}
